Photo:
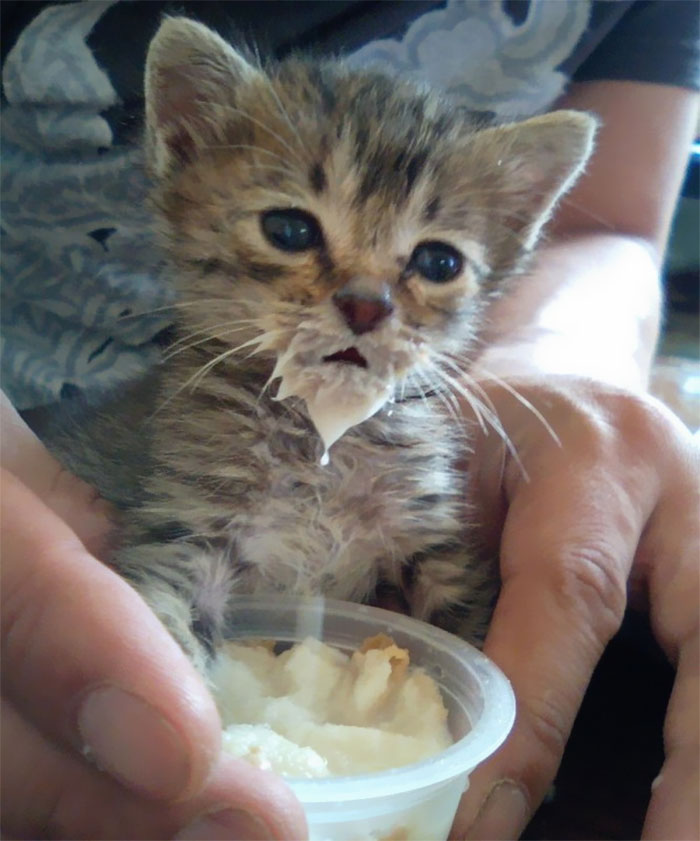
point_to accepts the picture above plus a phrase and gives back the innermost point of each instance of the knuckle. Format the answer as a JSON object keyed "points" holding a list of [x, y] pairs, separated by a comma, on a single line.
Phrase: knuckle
{"points": [[66, 815], [46, 805], [636, 420], [27, 610], [609, 417], [590, 585], [56, 810], [82, 508], [30, 782], [67, 488], [550, 730], [21, 630]]}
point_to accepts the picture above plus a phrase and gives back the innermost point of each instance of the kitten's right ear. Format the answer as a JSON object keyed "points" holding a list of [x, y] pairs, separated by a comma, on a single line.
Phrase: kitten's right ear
{"points": [[191, 78]]}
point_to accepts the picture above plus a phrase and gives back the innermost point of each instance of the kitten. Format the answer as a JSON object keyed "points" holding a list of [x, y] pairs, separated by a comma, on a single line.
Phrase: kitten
{"points": [[333, 236]]}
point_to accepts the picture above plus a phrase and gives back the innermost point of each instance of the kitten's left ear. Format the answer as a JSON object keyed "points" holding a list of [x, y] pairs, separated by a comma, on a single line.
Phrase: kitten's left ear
{"points": [[538, 161], [191, 76]]}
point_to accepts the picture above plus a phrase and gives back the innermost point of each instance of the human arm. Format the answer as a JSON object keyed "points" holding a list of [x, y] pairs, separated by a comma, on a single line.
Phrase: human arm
{"points": [[617, 496], [597, 274], [86, 664]]}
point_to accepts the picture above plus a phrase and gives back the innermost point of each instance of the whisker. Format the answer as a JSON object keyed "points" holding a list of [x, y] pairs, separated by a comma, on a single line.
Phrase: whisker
{"points": [[218, 359], [210, 327], [201, 372], [272, 168], [285, 114], [486, 400], [445, 394], [175, 305], [594, 216], [265, 128], [473, 381], [447, 399], [206, 338], [490, 415], [250, 147], [419, 387], [522, 400], [471, 399]]}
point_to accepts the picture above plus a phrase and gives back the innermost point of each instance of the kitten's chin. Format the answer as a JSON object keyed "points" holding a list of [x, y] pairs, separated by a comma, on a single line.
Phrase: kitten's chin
{"points": [[342, 385], [333, 411], [337, 396]]}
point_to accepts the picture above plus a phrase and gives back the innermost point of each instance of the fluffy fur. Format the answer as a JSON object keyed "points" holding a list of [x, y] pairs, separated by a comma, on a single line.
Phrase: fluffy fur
{"points": [[229, 495]]}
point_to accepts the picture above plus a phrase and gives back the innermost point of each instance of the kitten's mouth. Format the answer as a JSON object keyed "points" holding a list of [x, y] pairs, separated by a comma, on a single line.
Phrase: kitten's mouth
{"points": [[349, 356]]}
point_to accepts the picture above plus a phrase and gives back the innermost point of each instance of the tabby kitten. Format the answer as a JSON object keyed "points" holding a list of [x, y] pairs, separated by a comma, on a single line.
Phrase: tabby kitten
{"points": [[333, 235]]}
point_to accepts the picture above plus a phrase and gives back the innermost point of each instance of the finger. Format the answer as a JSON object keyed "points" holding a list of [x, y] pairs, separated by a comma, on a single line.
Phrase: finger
{"points": [[75, 502], [670, 557], [47, 793], [674, 809], [92, 668], [566, 550], [264, 806], [89, 663]]}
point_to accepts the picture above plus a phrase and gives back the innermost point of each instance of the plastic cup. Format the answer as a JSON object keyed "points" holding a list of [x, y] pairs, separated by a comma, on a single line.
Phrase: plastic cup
{"points": [[414, 802]]}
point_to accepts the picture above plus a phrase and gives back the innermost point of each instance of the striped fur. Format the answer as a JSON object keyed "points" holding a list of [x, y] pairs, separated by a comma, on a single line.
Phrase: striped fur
{"points": [[234, 499]]}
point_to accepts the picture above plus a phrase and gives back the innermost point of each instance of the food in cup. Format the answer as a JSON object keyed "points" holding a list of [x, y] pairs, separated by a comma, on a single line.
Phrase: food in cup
{"points": [[412, 802], [315, 711]]}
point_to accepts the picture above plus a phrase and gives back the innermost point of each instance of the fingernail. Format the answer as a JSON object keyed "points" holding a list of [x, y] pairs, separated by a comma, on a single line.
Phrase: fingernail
{"points": [[131, 740], [503, 814], [229, 825]]}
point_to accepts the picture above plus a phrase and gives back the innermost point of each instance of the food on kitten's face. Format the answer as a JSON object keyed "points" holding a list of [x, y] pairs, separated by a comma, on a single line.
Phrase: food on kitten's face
{"points": [[314, 711], [333, 411], [340, 393], [364, 307], [335, 402]]}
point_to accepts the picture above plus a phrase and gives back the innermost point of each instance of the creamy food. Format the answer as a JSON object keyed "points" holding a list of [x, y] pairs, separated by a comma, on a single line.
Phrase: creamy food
{"points": [[339, 394], [334, 409], [314, 711]]}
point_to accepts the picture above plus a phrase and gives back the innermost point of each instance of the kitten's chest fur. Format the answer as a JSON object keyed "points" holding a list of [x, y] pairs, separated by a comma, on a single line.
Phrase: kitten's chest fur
{"points": [[240, 474]]}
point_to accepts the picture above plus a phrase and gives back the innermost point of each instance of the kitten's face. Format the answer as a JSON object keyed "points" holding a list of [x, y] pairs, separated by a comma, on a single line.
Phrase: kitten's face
{"points": [[344, 224]]}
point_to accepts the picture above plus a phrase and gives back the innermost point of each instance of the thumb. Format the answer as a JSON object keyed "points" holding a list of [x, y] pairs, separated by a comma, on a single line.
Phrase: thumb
{"points": [[74, 632], [76, 503], [89, 671]]}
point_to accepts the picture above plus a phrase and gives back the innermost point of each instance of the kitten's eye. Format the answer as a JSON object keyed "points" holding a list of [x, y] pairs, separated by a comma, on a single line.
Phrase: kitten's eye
{"points": [[436, 261], [291, 230]]}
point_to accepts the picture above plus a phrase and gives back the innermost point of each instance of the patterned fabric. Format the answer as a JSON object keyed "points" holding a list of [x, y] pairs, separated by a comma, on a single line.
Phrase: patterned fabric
{"points": [[83, 296], [476, 52], [78, 256]]}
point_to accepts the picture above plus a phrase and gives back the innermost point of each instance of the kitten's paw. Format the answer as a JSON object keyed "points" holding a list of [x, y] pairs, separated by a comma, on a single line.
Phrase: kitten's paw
{"points": [[452, 588], [187, 588]]}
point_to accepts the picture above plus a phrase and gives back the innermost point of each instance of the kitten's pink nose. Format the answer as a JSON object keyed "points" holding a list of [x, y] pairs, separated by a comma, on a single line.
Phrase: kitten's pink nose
{"points": [[363, 311]]}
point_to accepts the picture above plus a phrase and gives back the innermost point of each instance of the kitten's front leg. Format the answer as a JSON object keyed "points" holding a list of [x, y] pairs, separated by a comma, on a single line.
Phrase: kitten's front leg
{"points": [[187, 586], [451, 587]]}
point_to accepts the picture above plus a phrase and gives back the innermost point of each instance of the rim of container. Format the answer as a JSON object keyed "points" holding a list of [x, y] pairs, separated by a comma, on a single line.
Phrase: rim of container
{"points": [[485, 736]]}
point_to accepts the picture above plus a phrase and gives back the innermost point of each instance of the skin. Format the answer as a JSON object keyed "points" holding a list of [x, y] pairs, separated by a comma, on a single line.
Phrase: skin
{"points": [[613, 507], [53, 595], [613, 503]]}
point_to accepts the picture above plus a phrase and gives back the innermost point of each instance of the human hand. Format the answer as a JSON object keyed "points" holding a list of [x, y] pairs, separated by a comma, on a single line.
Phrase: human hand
{"points": [[108, 730], [615, 502]]}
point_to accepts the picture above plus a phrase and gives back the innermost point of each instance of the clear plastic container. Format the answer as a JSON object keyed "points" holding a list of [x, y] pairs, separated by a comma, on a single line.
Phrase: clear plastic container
{"points": [[413, 802]]}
